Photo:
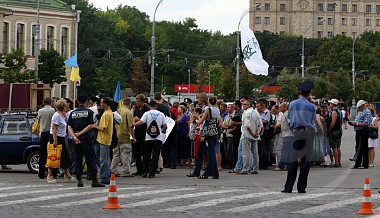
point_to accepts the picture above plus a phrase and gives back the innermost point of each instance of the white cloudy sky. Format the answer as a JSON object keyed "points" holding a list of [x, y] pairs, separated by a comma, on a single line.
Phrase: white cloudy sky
{"points": [[212, 15]]}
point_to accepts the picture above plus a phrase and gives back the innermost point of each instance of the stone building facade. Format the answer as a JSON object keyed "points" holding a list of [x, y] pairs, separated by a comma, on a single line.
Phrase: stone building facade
{"points": [[57, 31], [301, 17]]}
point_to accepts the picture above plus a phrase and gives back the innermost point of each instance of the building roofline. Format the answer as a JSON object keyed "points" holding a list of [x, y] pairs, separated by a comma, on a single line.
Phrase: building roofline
{"points": [[44, 4]]}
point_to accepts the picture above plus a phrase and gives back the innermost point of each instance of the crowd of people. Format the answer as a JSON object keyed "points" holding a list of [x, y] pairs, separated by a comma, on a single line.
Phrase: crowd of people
{"points": [[244, 136]]}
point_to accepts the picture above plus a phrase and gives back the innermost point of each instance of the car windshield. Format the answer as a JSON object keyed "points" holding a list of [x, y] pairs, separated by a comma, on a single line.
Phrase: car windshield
{"points": [[14, 126]]}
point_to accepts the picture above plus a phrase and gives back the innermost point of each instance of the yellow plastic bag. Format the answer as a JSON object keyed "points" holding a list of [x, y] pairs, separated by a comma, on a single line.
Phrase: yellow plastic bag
{"points": [[54, 156], [36, 127]]}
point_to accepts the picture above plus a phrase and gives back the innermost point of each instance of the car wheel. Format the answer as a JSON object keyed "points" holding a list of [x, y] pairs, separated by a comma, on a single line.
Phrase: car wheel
{"points": [[33, 161]]}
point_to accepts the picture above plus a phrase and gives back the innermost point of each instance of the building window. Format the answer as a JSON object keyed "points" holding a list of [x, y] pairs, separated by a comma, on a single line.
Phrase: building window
{"points": [[320, 20], [63, 91], [329, 34], [320, 6], [64, 41], [344, 7], [377, 8], [368, 22], [320, 34], [354, 34], [20, 36], [354, 22], [282, 20], [50, 38], [344, 21], [368, 8], [331, 7], [5, 38], [267, 6], [344, 33], [34, 27], [377, 22], [354, 8], [267, 20], [282, 7], [258, 20], [330, 21]]}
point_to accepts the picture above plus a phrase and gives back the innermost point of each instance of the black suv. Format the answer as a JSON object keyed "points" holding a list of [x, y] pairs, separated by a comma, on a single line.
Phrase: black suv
{"points": [[17, 143]]}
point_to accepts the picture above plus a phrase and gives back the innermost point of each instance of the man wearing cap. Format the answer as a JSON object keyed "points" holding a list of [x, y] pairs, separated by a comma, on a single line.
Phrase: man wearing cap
{"points": [[362, 121], [152, 145], [335, 131], [302, 117]]}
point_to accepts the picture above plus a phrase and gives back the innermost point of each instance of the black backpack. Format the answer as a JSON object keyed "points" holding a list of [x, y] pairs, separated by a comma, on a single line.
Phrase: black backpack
{"points": [[270, 132], [153, 130]]}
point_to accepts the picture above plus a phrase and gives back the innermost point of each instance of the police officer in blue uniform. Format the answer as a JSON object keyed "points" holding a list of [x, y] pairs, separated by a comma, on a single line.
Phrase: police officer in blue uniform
{"points": [[79, 124], [302, 117]]}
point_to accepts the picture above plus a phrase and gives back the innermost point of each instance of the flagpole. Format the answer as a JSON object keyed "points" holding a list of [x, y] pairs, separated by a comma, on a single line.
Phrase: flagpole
{"points": [[238, 55], [78, 12]]}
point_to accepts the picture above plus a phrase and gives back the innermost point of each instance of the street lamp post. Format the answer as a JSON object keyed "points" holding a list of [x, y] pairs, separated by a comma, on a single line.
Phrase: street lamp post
{"points": [[153, 53], [353, 104], [188, 88], [37, 42], [334, 5], [238, 56], [209, 82], [303, 47]]}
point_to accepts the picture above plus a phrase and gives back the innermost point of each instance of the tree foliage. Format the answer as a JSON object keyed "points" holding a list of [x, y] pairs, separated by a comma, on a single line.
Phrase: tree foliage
{"points": [[140, 82], [182, 45], [51, 68], [15, 70]]}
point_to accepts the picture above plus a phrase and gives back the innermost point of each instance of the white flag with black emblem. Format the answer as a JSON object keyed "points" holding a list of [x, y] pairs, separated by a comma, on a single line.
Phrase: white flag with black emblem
{"points": [[253, 58]]}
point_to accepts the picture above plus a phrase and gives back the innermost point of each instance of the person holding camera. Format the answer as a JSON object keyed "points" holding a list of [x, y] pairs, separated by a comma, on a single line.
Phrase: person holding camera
{"points": [[362, 121]]}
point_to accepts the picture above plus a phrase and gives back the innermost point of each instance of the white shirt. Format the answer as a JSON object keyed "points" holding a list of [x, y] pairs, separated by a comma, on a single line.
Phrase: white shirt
{"points": [[161, 120], [253, 120]]}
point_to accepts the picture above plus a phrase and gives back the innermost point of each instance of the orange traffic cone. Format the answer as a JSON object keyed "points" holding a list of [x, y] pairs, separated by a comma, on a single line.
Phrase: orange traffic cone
{"points": [[367, 201], [113, 201]]}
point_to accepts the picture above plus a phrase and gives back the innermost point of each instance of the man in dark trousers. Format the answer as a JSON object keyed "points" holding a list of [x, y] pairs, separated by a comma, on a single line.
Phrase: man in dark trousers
{"points": [[302, 116], [44, 118], [79, 124], [140, 132]]}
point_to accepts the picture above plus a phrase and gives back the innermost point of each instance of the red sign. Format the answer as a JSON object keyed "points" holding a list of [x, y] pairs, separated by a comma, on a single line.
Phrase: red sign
{"points": [[270, 89], [184, 88]]}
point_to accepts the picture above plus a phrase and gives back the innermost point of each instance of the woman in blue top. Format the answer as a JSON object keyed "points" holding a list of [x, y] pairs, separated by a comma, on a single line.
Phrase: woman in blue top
{"points": [[183, 140]]}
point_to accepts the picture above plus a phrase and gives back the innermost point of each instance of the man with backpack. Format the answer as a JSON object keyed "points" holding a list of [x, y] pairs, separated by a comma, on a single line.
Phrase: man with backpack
{"points": [[155, 136]]}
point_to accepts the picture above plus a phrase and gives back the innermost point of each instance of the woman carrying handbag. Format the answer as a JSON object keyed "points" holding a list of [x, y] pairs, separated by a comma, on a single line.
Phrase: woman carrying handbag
{"points": [[372, 140]]}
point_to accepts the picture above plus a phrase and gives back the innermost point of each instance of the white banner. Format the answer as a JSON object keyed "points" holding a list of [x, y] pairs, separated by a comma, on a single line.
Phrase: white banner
{"points": [[170, 124], [253, 58]]}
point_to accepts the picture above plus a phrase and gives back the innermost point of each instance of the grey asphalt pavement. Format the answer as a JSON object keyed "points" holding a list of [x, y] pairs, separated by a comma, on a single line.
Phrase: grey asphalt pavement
{"points": [[333, 192]]}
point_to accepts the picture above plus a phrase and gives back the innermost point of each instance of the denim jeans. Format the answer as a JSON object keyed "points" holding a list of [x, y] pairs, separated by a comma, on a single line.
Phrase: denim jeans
{"points": [[211, 168], [102, 154], [250, 155], [239, 162]]}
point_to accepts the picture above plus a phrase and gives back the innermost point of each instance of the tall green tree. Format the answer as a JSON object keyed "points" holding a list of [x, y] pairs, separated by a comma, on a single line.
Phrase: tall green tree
{"points": [[15, 70], [140, 81], [51, 68], [288, 83], [336, 53]]}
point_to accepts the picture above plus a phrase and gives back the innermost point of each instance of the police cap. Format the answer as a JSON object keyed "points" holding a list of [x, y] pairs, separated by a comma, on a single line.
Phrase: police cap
{"points": [[306, 86]]}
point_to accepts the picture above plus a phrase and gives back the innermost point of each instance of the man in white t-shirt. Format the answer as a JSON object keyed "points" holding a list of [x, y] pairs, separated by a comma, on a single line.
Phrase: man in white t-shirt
{"points": [[344, 116], [154, 137]]}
